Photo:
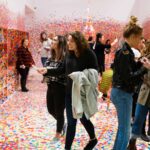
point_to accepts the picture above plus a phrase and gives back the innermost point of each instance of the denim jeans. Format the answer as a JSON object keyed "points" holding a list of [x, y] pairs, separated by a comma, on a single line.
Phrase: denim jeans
{"points": [[43, 60], [140, 116], [123, 104]]}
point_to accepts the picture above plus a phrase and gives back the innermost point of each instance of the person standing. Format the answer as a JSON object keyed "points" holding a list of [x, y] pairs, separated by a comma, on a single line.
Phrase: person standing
{"points": [[56, 85], [126, 76], [99, 49], [23, 63], [46, 47]]}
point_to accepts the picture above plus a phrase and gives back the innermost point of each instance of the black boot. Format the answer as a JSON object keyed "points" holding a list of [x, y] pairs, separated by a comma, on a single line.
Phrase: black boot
{"points": [[23, 85], [25, 90], [132, 144], [91, 144], [145, 138]]}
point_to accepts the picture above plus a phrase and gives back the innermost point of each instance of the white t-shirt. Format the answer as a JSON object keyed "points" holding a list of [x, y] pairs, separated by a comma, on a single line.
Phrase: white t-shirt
{"points": [[136, 52], [46, 47]]}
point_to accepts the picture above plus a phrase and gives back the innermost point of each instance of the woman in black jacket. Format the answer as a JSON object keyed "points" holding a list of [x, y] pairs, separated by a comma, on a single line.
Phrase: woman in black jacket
{"points": [[99, 49], [126, 76], [78, 58]]}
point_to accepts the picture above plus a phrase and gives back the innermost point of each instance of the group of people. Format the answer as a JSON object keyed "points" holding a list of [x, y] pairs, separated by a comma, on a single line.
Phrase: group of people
{"points": [[71, 53], [128, 73]]}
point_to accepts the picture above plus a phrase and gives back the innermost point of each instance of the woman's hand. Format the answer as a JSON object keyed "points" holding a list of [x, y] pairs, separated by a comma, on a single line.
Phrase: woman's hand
{"points": [[22, 66], [42, 70], [145, 62]]}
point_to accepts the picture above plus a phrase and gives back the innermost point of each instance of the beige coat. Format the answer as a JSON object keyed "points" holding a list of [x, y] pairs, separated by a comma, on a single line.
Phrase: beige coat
{"points": [[143, 97]]}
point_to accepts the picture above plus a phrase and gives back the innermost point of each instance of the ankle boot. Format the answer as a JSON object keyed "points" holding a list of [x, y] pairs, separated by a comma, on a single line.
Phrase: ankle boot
{"points": [[91, 144]]}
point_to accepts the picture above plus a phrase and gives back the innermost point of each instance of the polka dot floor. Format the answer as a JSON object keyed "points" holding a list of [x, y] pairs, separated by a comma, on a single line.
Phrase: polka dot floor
{"points": [[26, 125]]}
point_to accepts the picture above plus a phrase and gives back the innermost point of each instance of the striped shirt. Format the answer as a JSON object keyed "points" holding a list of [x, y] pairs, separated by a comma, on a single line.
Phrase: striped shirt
{"points": [[24, 57]]}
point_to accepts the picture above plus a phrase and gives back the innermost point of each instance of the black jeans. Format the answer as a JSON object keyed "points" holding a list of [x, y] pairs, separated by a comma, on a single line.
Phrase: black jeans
{"points": [[71, 128], [56, 103], [24, 74], [135, 97]]}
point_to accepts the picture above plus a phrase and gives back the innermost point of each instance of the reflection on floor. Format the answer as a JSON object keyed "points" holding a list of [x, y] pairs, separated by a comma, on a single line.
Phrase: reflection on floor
{"points": [[26, 125]]}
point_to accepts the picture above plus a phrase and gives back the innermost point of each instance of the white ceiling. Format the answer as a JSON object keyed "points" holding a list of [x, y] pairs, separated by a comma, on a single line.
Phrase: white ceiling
{"points": [[78, 8], [117, 9]]}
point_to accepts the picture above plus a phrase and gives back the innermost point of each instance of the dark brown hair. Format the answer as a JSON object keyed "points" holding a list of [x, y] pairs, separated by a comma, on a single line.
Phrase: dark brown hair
{"points": [[81, 42], [22, 41], [132, 28], [41, 36], [62, 46]]}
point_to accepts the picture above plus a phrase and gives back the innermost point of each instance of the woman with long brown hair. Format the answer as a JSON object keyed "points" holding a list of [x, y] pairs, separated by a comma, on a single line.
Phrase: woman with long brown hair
{"points": [[78, 58], [45, 48], [56, 85]]}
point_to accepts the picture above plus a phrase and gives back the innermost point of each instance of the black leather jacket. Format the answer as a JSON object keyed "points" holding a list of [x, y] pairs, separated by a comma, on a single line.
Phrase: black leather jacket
{"points": [[127, 72]]}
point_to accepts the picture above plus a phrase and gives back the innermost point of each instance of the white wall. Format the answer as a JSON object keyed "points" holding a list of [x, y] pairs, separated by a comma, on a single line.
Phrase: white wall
{"points": [[141, 8], [118, 9], [15, 6]]}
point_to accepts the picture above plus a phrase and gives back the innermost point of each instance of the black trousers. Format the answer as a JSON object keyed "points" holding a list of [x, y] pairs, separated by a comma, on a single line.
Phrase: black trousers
{"points": [[71, 128], [56, 103], [24, 74], [101, 64]]}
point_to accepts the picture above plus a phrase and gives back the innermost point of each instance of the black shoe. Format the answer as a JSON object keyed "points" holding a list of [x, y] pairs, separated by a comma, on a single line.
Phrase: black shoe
{"points": [[145, 138], [24, 90], [91, 144]]}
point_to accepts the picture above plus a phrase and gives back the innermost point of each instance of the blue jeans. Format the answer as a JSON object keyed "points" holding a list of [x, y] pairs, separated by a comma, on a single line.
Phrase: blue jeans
{"points": [[140, 116], [123, 104], [43, 60]]}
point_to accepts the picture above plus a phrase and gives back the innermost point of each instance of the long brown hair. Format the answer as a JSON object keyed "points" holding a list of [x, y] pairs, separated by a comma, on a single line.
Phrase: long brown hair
{"points": [[62, 46], [81, 42], [23, 40], [41, 37]]}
